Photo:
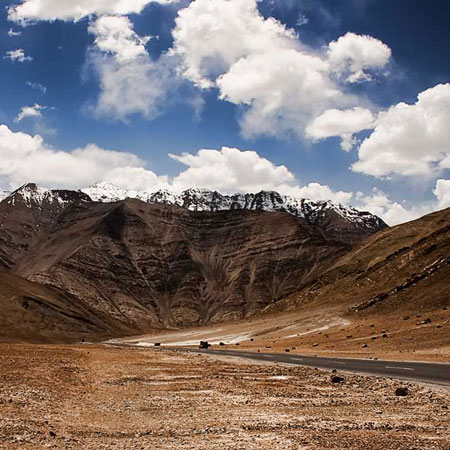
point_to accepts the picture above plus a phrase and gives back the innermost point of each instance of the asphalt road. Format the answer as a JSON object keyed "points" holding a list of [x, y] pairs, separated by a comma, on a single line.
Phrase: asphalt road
{"points": [[415, 371]]}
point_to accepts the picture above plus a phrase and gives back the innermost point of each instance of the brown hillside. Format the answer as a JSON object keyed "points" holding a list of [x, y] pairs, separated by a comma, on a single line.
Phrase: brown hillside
{"points": [[400, 271]]}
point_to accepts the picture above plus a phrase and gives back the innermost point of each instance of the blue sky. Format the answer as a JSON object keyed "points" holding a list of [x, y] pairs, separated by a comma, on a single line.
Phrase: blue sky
{"points": [[264, 78]]}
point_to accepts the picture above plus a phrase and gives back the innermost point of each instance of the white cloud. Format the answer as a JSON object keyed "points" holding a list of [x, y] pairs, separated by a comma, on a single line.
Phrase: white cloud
{"points": [[263, 65], [212, 35], [343, 123], [37, 86], [17, 55], [284, 90], [408, 139], [393, 213], [137, 179], [12, 33], [26, 158], [30, 111], [72, 10], [318, 192], [115, 35], [230, 170], [442, 193], [130, 81], [353, 55]]}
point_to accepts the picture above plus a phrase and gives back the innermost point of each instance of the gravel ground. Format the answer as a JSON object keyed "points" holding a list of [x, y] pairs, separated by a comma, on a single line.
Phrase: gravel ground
{"points": [[92, 397]]}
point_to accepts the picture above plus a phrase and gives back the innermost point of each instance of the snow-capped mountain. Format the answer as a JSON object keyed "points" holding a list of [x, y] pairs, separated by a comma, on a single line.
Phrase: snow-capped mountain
{"points": [[333, 215], [31, 195], [205, 200]]}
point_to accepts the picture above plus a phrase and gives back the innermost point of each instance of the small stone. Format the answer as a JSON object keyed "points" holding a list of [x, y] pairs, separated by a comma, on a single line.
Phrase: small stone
{"points": [[401, 392], [335, 379]]}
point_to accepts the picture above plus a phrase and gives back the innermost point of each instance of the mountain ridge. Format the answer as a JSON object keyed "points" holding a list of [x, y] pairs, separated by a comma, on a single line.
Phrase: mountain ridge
{"points": [[204, 200], [137, 265]]}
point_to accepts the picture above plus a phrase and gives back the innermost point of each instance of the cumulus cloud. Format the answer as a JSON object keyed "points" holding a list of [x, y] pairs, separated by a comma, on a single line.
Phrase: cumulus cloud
{"points": [[17, 55], [409, 139], [230, 170], [353, 56], [130, 81], [115, 35], [393, 213], [71, 10], [212, 35], [261, 64], [284, 90], [343, 123], [137, 179], [26, 158], [318, 192], [442, 193], [255, 62], [30, 111]]}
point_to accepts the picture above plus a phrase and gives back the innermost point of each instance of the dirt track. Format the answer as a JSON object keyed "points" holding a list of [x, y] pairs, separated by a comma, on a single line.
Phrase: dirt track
{"points": [[103, 398]]}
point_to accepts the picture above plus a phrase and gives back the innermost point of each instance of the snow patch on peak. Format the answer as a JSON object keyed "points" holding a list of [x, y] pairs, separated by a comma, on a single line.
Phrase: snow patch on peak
{"points": [[197, 199], [31, 194], [106, 193]]}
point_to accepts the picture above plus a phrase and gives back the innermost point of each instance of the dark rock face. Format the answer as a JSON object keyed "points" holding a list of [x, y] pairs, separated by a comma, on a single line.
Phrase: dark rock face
{"points": [[335, 219], [146, 266]]}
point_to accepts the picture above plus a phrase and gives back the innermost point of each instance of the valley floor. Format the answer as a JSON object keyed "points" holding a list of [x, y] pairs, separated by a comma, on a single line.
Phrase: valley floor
{"points": [[324, 331], [94, 397]]}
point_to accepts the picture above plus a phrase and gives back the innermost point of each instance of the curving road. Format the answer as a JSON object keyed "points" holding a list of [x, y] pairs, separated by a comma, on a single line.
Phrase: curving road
{"points": [[416, 371]]}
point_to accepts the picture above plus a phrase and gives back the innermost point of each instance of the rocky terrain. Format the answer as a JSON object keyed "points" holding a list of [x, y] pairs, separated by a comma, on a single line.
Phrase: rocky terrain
{"points": [[401, 273], [387, 298], [93, 398], [334, 218], [129, 266]]}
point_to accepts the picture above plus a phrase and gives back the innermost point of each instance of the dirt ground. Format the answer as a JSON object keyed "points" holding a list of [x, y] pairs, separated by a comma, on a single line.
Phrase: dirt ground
{"points": [[325, 332], [92, 397]]}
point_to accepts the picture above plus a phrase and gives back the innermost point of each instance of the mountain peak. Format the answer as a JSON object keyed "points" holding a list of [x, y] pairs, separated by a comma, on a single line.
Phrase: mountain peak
{"points": [[200, 199], [32, 194]]}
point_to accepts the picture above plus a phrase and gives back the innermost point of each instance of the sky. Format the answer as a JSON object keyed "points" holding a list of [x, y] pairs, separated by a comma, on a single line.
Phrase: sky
{"points": [[344, 100]]}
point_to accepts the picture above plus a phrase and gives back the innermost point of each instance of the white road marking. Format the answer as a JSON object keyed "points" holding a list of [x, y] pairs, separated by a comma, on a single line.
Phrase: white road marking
{"points": [[400, 368]]}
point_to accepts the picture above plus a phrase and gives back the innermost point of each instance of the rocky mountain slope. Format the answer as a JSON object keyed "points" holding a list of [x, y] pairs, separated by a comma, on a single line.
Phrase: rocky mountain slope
{"points": [[137, 265], [324, 213], [398, 273]]}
